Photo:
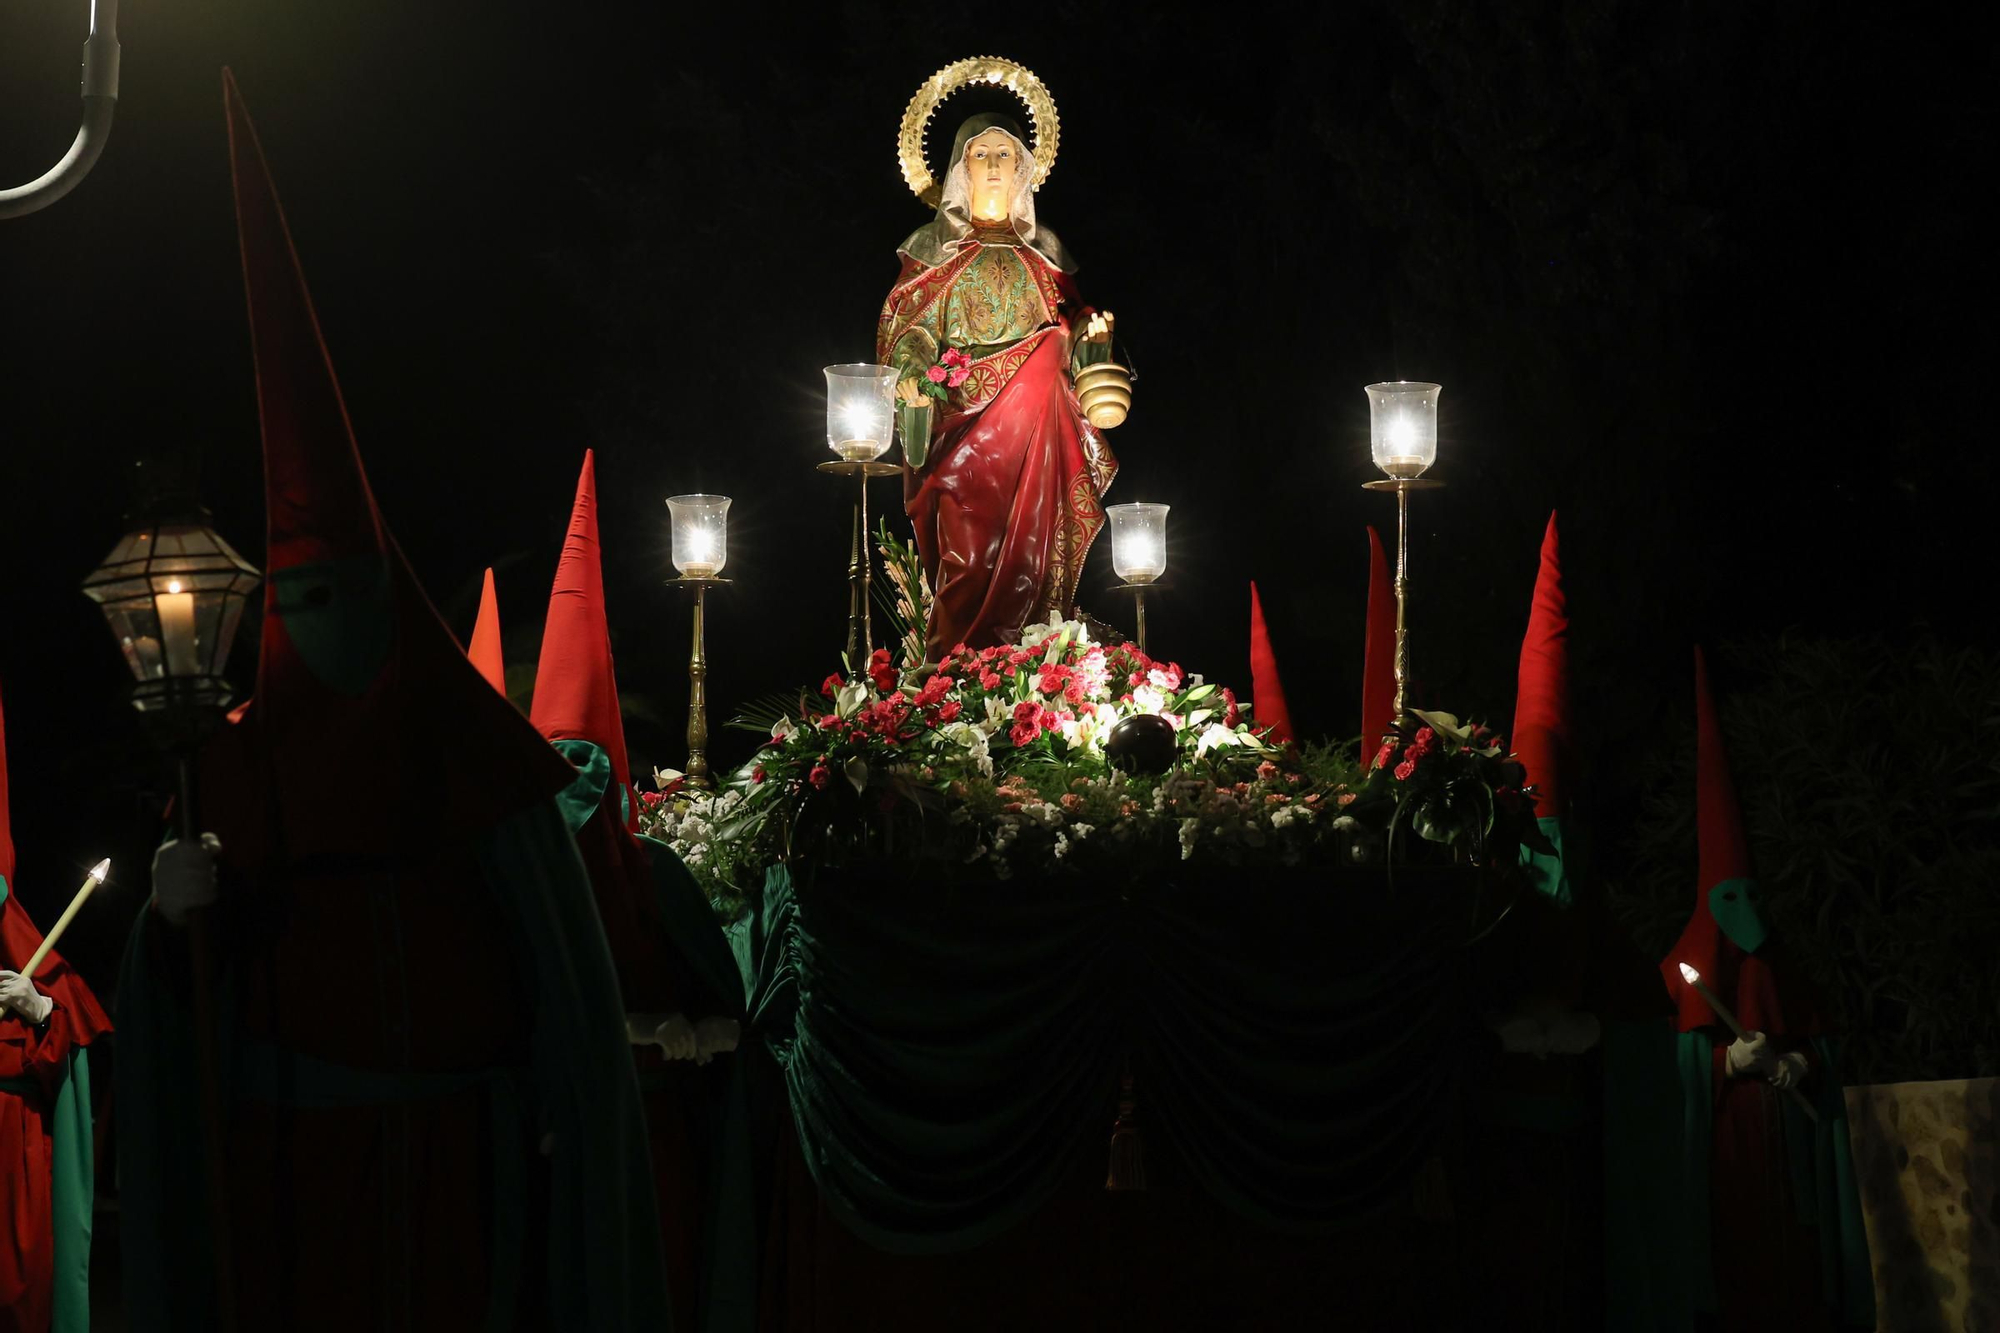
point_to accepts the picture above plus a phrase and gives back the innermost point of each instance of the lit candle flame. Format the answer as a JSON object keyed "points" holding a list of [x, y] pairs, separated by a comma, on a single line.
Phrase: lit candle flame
{"points": [[1688, 972], [173, 585], [101, 869]]}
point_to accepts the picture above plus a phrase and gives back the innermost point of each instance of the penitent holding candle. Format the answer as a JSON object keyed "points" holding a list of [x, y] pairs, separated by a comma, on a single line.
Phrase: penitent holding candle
{"points": [[1748, 1040]]}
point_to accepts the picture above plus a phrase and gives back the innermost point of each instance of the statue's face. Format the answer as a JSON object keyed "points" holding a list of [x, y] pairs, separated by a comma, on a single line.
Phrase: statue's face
{"points": [[991, 160]]}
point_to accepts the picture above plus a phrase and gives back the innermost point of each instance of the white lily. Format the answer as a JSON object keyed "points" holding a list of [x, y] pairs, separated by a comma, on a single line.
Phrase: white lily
{"points": [[856, 771], [848, 702], [1215, 737], [783, 729]]}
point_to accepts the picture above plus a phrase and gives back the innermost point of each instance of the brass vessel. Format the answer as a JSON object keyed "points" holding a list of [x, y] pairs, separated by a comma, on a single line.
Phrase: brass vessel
{"points": [[1105, 393]]}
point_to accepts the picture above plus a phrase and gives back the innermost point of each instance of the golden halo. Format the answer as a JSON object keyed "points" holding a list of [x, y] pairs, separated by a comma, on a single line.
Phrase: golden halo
{"points": [[992, 70]]}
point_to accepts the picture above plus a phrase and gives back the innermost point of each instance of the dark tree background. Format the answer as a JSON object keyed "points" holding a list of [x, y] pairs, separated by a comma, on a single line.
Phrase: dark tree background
{"points": [[1714, 281]]}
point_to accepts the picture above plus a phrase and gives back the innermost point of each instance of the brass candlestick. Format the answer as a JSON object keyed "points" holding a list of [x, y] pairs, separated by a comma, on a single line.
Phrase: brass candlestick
{"points": [[1402, 486], [1138, 591], [860, 562], [697, 775]]}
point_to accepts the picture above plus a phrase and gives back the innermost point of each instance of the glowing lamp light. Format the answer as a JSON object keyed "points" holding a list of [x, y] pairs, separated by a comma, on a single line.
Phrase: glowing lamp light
{"points": [[1138, 541], [701, 534], [860, 410], [1691, 975], [1403, 426], [173, 594]]}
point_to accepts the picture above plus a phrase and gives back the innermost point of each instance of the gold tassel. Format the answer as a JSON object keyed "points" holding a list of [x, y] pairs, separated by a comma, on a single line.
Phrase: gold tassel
{"points": [[1128, 1150]]}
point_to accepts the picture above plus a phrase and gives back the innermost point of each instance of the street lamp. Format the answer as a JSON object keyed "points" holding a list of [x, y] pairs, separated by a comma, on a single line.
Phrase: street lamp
{"points": [[173, 593], [100, 99]]}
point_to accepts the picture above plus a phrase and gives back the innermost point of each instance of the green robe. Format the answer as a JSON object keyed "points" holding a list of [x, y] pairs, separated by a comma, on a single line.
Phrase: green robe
{"points": [[602, 1263]]}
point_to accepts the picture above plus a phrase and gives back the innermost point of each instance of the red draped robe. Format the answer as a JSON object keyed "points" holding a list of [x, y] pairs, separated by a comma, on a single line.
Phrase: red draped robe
{"points": [[27, 1240], [1006, 504]]}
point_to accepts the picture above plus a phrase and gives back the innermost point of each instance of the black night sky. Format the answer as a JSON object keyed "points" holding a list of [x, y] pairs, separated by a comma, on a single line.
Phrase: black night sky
{"points": [[1712, 280]]}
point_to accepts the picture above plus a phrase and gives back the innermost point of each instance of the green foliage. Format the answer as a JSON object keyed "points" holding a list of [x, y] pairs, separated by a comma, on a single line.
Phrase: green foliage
{"points": [[1869, 773]]}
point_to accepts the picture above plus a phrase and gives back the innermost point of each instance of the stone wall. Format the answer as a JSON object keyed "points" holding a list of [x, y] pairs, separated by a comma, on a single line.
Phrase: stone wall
{"points": [[1929, 1168]]}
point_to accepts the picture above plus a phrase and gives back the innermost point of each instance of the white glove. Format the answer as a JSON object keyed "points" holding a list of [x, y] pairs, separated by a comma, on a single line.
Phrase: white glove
{"points": [[672, 1033], [1788, 1070], [715, 1036], [1572, 1032], [184, 876], [1751, 1055], [1522, 1034], [19, 994]]}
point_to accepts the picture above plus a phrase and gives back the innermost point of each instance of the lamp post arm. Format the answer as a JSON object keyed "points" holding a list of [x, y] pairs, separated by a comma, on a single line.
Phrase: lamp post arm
{"points": [[100, 99]]}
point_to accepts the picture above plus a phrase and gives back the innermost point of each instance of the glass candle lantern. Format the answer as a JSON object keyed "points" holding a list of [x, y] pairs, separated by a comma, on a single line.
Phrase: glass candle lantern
{"points": [[701, 534], [1403, 432], [173, 594], [1138, 541], [860, 410]]}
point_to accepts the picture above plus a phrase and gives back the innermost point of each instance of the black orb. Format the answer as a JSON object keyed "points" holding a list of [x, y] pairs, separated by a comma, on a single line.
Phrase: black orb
{"points": [[1143, 743]]}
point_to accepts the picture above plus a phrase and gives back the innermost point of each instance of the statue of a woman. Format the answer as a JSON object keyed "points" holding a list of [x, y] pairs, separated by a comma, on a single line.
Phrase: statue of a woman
{"points": [[1002, 471]]}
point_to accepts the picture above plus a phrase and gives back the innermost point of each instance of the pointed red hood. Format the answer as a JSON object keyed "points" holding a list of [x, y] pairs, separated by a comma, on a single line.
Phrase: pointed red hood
{"points": [[1378, 653], [483, 651], [576, 689], [1541, 704], [1267, 691], [1747, 982], [576, 698], [371, 725], [19, 939]]}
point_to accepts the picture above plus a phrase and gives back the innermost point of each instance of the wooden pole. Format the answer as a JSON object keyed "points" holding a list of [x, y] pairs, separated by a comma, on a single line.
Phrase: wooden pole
{"points": [[201, 961]]}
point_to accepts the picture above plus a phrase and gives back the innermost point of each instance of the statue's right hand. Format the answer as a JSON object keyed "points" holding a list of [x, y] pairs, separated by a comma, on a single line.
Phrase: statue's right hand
{"points": [[184, 876]]}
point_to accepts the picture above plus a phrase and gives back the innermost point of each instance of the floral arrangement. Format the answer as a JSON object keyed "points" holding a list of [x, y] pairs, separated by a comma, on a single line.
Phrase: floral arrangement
{"points": [[1013, 758], [1452, 783], [952, 366], [1009, 749]]}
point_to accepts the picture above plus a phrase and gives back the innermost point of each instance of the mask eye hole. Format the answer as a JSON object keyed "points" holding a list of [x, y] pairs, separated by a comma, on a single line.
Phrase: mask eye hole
{"points": [[319, 595], [1730, 896]]}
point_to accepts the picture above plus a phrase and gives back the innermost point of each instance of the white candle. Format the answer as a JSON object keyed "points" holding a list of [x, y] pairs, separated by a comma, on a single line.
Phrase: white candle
{"points": [[90, 881], [177, 630]]}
